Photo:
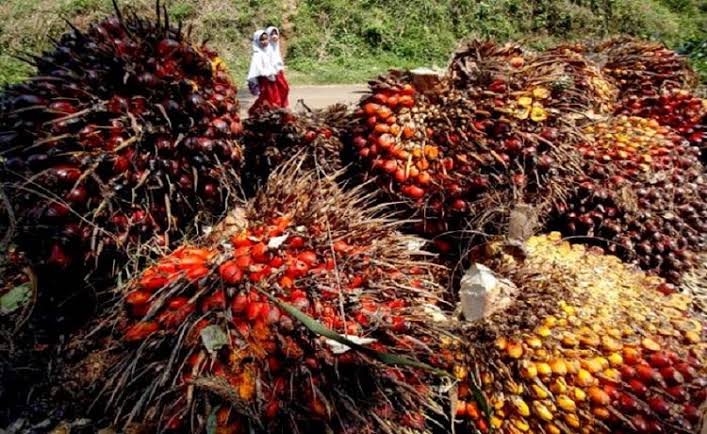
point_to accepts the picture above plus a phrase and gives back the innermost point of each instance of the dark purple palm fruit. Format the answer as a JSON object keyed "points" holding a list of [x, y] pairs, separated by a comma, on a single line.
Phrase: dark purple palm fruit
{"points": [[119, 143]]}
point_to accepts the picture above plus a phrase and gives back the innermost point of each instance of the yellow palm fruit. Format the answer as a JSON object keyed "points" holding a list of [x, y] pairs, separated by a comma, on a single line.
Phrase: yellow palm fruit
{"points": [[559, 386], [539, 391], [514, 350], [520, 406], [566, 404], [615, 359], [572, 420], [551, 428], [520, 424], [559, 367], [543, 331], [528, 370], [584, 378], [544, 369], [541, 411]]}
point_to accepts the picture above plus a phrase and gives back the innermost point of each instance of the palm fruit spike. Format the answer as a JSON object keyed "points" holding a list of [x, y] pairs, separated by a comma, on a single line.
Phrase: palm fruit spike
{"points": [[276, 136], [123, 137], [211, 330], [588, 345], [635, 170], [643, 67]]}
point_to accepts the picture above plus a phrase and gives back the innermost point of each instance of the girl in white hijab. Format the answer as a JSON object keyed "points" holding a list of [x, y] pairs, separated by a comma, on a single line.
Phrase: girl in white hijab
{"points": [[261, 75], [277, 62]]}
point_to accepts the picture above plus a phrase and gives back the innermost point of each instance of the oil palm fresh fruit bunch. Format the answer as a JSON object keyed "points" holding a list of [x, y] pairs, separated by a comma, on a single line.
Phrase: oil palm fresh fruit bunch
{"points": [[644, 196], [462, 155], [118, 143], [644, 68], [678, 109], [587, 344], [214, 324], [278, 135]]}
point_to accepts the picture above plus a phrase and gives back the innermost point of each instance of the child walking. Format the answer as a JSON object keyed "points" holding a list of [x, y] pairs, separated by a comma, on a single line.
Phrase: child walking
{"points": [[276, 60], [262, 75]]}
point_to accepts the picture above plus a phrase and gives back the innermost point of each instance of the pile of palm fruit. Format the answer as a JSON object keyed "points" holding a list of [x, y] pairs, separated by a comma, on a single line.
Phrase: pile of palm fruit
{"points": [[588, 345], [501, 128], [313, 306]]}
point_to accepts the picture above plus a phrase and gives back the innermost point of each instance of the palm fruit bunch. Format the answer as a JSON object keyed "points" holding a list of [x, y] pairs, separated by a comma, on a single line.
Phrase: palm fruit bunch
{"points": [[124, 135], [676, 108], [276, 136], [643, 196], [471, 145], [644, 68], [587, 344], [211, 329]]}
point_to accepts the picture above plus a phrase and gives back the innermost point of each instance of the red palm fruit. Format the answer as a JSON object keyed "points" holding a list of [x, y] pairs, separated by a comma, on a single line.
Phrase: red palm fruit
{"points": [[406, 101], [197, 272], [137, 298], [230, 272], [370, 108], [259, 252], [215, 301], [310, 136], [140, 331], [413, 191], [239, 303], [308, 257], [177, 302], [151, 283]]}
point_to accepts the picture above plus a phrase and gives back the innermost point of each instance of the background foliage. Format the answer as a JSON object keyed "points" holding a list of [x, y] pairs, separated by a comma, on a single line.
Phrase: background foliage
{"points": [[336, 41]]}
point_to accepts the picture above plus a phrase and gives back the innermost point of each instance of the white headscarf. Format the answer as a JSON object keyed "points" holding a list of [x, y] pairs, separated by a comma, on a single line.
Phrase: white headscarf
{"points": [[274, 49], [260, 64]]}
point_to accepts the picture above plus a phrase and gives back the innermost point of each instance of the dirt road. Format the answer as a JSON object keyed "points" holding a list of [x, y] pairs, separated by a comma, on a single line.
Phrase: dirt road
{"points": [[313, 96]]}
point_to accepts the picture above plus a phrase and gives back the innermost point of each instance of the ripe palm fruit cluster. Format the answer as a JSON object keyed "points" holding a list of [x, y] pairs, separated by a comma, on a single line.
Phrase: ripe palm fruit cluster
{"points": [[643, 196], [121, 139], [644, 68], [587, 345], [207, 324], [678, 109], [276, 136], [481, 142]]}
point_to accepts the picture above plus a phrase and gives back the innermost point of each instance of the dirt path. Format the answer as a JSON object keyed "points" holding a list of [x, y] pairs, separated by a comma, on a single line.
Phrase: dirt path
{"points": [[313, 96]]}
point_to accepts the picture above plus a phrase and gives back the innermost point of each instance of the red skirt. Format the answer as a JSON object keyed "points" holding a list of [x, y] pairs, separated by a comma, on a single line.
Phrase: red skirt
{"points": [[268, 98], [283, 89]]}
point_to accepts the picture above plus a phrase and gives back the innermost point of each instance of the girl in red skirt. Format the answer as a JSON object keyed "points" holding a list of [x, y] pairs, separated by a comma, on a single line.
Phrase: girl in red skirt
{"points": [[276, 60], [261, 76]]}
